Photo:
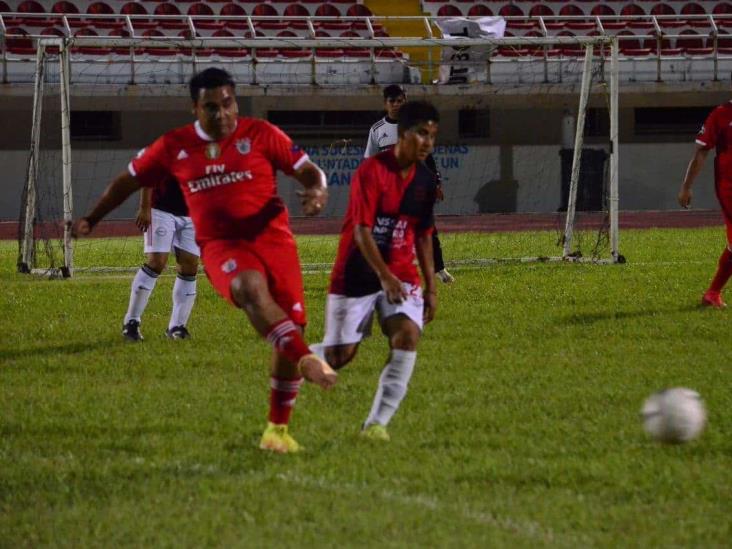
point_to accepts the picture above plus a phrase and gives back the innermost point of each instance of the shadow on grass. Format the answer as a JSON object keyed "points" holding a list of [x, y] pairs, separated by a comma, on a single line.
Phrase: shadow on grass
{"points": [[591, 318], [56, 350]]}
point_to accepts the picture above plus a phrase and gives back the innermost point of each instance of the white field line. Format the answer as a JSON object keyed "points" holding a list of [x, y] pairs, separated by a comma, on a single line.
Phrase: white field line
{"points": [[521, 528]]}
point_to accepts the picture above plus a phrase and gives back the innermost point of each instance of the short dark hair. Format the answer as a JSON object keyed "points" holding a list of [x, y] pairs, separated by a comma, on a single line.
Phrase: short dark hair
{"points": [[394, 90], [414, 113], [208, 80]]}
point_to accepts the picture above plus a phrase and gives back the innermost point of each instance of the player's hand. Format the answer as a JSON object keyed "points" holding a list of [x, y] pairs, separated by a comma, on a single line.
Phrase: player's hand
{"points": [[313, 200], [430, 306], [684, 197], [81, 227], [393, 289], [439, 194], [143, 219]]}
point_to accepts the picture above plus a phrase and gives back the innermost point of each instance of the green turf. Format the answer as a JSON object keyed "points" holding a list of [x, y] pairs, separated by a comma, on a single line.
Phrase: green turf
{"points": [[520, 429]]}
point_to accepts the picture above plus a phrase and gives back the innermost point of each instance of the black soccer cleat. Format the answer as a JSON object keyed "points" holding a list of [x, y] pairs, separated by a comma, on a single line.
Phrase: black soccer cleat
{"points": [[177, 332], [131, 331]]}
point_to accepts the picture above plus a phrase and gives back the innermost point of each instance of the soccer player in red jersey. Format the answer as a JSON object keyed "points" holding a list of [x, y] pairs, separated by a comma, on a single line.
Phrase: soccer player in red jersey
{"points": [[389, 217], [716, 133], [225, 165]]}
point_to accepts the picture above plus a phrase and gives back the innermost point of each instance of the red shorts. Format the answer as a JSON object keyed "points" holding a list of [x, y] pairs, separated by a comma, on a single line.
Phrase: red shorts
{"points": [[273, 253], [724, 195]]}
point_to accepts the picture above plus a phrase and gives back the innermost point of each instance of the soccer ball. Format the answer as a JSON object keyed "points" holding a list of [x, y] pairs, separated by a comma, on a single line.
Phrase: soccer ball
{"points": [[674, 415]]}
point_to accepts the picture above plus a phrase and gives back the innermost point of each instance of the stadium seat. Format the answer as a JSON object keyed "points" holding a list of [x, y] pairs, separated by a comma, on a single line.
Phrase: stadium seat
{"points": [[199, 8], [690, 40], [99, 8], [4, 8], [30, 6], [358, 10], [722, 8], [479, 10], [232, 9], [510, 10], [133, 8], [334, 25], [540, 10], [296, 10], [571, 10], [64, 7], [327, 10], [264, 10], [166, 9], [449, 10], [17, 41], [632, 9]]}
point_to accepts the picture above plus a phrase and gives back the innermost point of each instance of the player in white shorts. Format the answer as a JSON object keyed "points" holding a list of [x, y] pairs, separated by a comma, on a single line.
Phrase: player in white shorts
{"points": [[163, 216], [388, 224]]}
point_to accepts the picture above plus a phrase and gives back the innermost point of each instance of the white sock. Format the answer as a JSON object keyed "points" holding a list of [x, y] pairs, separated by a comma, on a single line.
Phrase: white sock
{"points": [[392, 386], [142, 286], [184, 295]]}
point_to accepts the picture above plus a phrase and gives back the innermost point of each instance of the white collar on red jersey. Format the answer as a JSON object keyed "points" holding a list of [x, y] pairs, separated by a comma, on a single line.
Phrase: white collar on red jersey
{"points": [[203, 135]]}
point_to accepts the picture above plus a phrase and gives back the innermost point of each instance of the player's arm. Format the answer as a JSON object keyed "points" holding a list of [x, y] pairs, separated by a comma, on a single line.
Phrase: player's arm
{"points": [[115, 194], [144, 212], [315, 196], [692, 171], [371, 147], [425, 257], [391, 285], [431, 163]]}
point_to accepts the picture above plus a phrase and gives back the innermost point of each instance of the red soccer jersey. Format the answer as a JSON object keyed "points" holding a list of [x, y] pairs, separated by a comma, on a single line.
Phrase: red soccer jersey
{"points": [[717, 133], [229, 185], [396, 210]]}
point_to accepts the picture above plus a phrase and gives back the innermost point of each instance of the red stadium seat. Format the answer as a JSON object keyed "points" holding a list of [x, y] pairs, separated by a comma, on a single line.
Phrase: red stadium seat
{"points": [[264, 10], [358, 10], [99, 8], [166, 9], [64, 7], [16, 40], [690, 40], [133, 8], [449, 10], [327, 10], [4, 8], [199, 8], [232, 9], [571, 10], [479, 10], [30, 6], [334, 25], [296, 10], [602, 10], [540, 10], [628, 43], [510, 10], [632, 9], [722, 8], [359, 53]]}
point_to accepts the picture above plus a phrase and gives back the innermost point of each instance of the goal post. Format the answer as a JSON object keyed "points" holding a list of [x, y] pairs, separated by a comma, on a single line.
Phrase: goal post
{"points": [[576, 235]]}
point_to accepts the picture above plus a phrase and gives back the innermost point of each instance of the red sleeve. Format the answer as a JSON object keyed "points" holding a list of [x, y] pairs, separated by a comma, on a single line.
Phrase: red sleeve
{"points": [[365, 193], [151, 165], [281, 151], [707, 136]]}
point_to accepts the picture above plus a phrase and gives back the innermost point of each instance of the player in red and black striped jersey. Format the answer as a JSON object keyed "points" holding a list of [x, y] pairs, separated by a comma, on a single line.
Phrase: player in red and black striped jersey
{"points": [[716, 133], [389, 218], [225, 165]]}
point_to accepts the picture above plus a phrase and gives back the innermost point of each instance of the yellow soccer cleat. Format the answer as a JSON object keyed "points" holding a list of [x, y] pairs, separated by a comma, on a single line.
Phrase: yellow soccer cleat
{"points": [[276, 439], [375, 432]]}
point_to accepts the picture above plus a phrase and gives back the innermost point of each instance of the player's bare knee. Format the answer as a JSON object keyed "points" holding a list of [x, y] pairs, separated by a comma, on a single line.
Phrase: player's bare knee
{"points": [[406, 338], [249, 288], [187, 263], [157, 262]]}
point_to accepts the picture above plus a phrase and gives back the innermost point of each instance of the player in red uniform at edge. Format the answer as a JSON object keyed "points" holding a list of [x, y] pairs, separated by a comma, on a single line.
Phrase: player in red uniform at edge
{"points": [[389, 216], [716, 133], [225, 165]]}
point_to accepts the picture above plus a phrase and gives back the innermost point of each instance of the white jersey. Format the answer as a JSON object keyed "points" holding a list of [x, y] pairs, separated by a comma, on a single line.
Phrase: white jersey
{"points": [[382, 135]]}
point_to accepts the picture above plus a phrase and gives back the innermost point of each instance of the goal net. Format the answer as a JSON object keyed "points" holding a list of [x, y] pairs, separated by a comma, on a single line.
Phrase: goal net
{"points": [[527, 150]]}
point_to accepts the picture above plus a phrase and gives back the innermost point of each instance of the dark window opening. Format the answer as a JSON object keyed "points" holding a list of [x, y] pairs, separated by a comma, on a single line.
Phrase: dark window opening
{"points": [[670, 120], [96, 126], [474, 123]]}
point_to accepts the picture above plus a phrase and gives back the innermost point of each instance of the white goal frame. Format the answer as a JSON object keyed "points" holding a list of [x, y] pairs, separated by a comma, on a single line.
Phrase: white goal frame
{"points": [[26, 237]]}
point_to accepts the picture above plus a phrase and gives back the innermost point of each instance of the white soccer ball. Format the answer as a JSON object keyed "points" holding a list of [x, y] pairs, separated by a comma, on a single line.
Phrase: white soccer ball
{"points": [[674, 415]]}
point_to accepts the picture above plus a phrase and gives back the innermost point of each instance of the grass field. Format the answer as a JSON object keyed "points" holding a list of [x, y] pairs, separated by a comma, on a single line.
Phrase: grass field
{"points": [[520, 429]]}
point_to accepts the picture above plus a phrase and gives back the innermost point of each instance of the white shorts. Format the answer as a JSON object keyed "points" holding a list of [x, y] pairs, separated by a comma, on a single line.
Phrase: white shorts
{"points": [[348, 319], [167, 231]]}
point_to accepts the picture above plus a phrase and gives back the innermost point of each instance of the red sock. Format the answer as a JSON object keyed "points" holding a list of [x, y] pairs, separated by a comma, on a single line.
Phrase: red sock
{"points": [[282, 398], [287, 341], [724, 271]]}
